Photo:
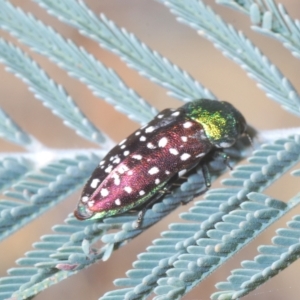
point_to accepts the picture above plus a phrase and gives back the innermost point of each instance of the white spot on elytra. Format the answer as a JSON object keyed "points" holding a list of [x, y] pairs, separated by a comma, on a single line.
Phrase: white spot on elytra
{"points": [[102, 162], [153, 170], [142, 138], [91, 203], [128, 189], [167, 172], [108, 169], [149, 129], [122, 142], [173, 151], [187, 124], [157, 181], [117, 180], [118, 202], [126, 153], [116, 161], [150, 146], [84, 199], [184, 138], [138, 133], [160, 116], [141, 192], [130, 172], [104, 192], [200, 155], [122, 169], [175, 114], [94, 183], [123, 147], [137, 156], [163, 142], [185, 156]]}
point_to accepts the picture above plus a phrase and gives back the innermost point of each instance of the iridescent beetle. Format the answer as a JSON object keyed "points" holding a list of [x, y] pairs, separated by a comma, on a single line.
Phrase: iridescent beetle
{"points": [[141, 166]]}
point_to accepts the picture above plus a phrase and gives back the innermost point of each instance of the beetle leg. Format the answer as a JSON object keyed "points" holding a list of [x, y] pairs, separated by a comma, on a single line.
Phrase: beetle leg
{"points": [[207, 181], [147, 205], [174, 182], [164, 191], [225, 158], [206, 176]]}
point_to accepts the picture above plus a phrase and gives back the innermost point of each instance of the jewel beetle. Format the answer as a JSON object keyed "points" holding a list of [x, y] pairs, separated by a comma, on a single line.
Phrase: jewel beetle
{"points": [[141, 166]]}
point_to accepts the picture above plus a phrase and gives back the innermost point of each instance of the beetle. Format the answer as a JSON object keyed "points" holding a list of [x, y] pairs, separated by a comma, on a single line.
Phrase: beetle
{"points": [[141, 167]]}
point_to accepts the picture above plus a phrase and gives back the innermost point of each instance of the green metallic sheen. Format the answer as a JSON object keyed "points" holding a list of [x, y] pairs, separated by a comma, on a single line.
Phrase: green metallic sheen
{"points": [[222, 122]]}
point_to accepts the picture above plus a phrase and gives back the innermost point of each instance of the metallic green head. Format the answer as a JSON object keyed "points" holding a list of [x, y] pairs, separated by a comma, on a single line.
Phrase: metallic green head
{"points": [[223, 124]]}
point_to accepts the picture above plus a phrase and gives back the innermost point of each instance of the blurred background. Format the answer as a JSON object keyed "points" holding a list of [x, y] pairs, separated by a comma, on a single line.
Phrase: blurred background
{"points": [[152, 23]]}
